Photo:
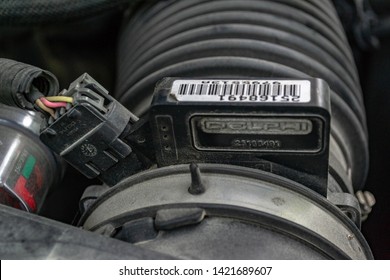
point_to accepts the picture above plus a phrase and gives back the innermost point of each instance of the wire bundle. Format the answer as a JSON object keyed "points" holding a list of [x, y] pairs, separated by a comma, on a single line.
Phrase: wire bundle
{"points": [[50, 103]]}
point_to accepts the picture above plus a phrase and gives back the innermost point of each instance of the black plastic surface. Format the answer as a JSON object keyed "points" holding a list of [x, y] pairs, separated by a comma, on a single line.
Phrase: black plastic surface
{"points": [[180, 135]]}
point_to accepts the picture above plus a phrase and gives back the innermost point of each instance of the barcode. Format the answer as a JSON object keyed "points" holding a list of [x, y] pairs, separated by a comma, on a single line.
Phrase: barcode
{"points": [[249, 91]]}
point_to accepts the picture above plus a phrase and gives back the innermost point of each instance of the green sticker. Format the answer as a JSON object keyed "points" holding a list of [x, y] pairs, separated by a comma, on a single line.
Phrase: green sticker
{"points": [[28, 166]]}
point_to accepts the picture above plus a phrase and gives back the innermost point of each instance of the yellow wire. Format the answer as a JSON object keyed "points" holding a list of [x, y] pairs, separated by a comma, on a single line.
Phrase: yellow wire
{"points": [[66, 99], [44, 108]]}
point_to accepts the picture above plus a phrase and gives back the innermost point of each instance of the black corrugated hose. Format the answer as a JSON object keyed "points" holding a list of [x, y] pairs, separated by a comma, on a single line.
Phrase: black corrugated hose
{"points": [[18, 80], [27, 12]]}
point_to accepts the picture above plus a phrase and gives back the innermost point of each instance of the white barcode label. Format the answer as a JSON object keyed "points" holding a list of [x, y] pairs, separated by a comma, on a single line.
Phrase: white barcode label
{"points": [[287, 91]]}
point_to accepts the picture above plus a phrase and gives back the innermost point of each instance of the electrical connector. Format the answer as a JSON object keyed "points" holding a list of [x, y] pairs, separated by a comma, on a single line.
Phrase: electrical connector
{"points": [[87, 134]]}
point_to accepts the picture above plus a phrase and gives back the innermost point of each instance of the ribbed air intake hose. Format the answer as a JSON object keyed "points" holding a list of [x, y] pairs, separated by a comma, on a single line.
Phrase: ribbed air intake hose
{"points": [[248, 39]]}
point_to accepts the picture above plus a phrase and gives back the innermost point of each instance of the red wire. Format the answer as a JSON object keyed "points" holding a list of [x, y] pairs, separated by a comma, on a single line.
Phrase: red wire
{"points": [[52, 104]]}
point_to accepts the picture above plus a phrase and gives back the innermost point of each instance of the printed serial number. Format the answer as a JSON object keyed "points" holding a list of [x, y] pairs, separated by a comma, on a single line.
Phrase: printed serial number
{"points": [[258, 98], [264, 144]]}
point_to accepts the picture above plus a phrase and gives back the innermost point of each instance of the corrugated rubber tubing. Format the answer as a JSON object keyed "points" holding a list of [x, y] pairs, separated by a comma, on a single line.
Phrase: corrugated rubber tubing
{"points": [[246, 39]]}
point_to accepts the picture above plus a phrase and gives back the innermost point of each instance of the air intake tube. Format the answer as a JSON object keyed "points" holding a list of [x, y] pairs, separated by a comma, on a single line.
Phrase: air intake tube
{"points": [[249, 39]]}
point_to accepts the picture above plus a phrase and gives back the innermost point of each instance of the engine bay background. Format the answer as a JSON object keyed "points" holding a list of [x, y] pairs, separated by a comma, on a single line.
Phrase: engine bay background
{"points": [[71, 48]]}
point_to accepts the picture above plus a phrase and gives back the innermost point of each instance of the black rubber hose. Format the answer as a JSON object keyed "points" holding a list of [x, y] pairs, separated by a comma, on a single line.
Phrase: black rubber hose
{"points": [[22, 12], [156, 25], [18, 80], [247, 39], [129, 55], [156, 14], [245, 31]]}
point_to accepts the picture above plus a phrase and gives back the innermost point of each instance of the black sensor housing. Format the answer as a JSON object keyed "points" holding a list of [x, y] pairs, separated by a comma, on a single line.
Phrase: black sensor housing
{"points": [[276, 125]]}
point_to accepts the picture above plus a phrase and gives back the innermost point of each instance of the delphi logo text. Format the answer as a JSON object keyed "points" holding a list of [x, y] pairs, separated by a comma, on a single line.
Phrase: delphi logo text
{"points": [[270, 126]]}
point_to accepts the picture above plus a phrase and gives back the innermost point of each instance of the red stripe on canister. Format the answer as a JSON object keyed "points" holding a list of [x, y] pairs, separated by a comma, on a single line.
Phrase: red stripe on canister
{"points": [[21, 190]]}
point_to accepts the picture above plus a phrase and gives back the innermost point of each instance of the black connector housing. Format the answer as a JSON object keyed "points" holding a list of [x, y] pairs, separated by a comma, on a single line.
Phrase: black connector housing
{"points": [[88, 134]]}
